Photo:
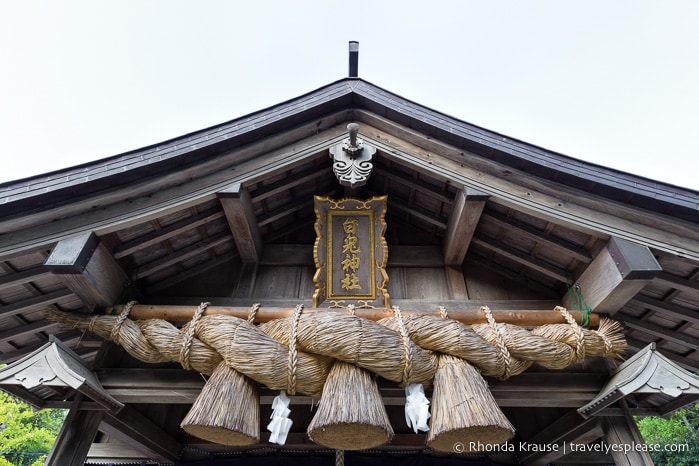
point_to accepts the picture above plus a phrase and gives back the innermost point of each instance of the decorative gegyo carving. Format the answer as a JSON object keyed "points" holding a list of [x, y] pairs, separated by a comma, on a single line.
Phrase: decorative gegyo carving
{"points": [[352, 159]]}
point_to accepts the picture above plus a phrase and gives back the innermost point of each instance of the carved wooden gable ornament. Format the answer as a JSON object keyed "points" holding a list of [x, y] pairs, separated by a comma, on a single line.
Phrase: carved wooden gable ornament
{"points": [[350, 253]]}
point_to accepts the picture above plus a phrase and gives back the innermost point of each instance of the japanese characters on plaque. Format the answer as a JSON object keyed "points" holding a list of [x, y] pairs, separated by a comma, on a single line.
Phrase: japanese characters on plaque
{"points": [[350, 253]]}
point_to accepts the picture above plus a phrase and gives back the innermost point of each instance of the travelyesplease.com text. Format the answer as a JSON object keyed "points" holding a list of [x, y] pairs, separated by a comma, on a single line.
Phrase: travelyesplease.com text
{"points": [[569, 447]]}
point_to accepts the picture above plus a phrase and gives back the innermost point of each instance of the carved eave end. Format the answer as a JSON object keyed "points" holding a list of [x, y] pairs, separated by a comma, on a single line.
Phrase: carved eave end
{"points": [[647, 372], [35, 379]]}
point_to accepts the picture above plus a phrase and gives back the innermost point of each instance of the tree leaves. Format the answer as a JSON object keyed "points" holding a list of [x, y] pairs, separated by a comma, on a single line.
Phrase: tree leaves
{"points": [[26, 436]]}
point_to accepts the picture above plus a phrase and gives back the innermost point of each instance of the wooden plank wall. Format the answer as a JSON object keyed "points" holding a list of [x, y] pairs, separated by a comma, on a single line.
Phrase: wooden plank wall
{"points": [[415, 272]]}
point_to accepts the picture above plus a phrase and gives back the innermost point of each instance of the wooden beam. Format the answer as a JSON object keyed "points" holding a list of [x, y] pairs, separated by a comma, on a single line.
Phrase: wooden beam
{"points": [[287, 183], [412, 209], [468, 207], [571, 428], [237, 206], [66, 337], [20, 278], [176, 386], [27, 329], [518, 229], [180, 313], [669, 309], [650, 328], [413, 183], [133, 428], [35, 303], [511, 253], [286, 210], [615, 275], [75, 437], [678, 283], [190, 273], [87, 268], [155, 237], [181, 255]]}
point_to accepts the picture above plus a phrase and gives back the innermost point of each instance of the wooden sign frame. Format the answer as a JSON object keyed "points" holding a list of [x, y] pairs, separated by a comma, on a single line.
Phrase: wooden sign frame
{"points": [[350, 253]]}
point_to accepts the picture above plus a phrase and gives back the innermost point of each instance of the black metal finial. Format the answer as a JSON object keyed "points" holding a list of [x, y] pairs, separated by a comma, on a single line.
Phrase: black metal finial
{"points": [[353, 59]]}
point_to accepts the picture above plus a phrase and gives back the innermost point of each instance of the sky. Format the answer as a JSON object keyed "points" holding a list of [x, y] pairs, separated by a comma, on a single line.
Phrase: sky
{"points": [[614, 83]]}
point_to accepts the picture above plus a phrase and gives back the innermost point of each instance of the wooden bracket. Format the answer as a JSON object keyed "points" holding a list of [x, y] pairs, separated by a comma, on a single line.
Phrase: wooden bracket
{"points": [[468, 207], [87, 268], [237, 206], [614, 276]]}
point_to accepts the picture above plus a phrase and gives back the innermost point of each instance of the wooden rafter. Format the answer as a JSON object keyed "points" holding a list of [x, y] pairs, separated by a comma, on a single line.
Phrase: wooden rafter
{"points": [[511, 253], [416, 184], [20, 278], [523, 230], [671, 310], [181, 255], [287, 183], [418, 212], [679, 283], [656, 330], [191, 272], [170, 231], [27, 329], [35, 303]]}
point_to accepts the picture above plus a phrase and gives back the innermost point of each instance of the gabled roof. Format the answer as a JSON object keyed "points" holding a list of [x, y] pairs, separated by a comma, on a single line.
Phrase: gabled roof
{"points": [[162, 165], [161, 211]]}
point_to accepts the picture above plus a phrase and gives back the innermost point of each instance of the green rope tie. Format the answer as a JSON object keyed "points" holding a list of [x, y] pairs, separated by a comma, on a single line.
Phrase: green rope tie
{"points": [[579, 304]]}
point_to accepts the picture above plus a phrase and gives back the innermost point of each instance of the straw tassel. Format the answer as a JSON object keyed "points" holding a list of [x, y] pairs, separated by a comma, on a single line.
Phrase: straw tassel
{"points": [[227, 411], [351, 414], [463, 409]]}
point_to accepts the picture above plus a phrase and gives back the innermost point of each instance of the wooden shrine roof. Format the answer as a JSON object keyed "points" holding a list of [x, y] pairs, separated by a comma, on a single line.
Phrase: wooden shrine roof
{"points": [[163, 215]]}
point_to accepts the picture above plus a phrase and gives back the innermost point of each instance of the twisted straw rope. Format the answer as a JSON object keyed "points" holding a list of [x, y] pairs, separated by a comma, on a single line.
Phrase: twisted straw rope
{"points": [[293, 351], [244, 346], [189, 336], [405, 339], [253, 312], [505, 358], [121, 318], [579, 354]]}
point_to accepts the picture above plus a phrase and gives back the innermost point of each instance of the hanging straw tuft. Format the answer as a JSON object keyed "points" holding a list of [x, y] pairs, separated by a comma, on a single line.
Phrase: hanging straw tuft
{"points": [[351, 414], [463, 409], [227, 411]]}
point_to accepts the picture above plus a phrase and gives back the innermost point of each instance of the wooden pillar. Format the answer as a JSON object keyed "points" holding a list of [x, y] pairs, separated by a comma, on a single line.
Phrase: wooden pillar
{"points": [[237, 206], [87, 268], [136, 430], [76, 436], [572, 428], [614, 276], [622, 431]]}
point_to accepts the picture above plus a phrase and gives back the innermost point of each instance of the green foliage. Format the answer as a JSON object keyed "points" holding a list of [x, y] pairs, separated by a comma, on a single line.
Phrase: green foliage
{"points": [[26, 436], [681, 428]]}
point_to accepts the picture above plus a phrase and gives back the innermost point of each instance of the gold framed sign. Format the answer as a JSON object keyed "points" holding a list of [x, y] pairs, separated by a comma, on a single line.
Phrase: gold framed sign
{"points": [[350, 252]]}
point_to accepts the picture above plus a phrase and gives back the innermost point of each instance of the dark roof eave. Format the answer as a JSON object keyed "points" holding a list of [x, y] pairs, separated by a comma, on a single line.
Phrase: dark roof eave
{"points": [[357, 93]]}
